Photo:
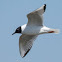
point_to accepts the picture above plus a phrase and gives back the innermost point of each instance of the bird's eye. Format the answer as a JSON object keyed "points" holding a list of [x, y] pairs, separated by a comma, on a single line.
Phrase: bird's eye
{"points": [[17, 28]]}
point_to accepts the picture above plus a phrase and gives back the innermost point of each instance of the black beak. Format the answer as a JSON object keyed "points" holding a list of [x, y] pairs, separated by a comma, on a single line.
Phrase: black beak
{"points": [[13, 33]]}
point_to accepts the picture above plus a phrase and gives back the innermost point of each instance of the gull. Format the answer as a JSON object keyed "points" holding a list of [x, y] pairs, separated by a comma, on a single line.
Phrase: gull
{"points": [[32, 29]]}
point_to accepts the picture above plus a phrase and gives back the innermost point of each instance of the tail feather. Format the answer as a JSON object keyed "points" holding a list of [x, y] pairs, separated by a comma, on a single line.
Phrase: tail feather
{"points": [[57, 31]]}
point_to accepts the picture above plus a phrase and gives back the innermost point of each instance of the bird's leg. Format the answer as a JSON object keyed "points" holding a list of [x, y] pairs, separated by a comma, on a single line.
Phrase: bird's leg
{"points": [[51, 32]]}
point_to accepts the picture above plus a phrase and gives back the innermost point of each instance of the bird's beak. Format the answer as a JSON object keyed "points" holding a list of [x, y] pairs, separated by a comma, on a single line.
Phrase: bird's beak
{"points": [[13, 33]]}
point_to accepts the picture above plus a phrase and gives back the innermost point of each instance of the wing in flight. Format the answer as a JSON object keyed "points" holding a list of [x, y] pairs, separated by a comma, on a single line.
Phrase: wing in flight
{"points": [[25, 43], [35, 18]]}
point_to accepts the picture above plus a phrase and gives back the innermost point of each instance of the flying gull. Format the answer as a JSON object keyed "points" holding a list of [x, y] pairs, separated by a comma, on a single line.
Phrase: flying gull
{"points": [[32, 29]]}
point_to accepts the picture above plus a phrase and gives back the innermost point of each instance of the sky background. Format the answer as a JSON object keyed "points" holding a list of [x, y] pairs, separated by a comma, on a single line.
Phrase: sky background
{"points": [[47, 47]]}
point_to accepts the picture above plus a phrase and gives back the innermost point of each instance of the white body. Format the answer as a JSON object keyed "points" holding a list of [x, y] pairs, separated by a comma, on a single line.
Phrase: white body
{"points": [[34, 30]]}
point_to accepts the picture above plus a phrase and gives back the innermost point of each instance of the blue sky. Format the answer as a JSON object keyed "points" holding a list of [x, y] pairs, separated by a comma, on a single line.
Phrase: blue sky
{"points": [[47, 47]]}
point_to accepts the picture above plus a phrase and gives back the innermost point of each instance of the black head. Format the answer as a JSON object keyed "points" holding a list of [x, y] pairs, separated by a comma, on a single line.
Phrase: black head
{"points": [[18, 30]]}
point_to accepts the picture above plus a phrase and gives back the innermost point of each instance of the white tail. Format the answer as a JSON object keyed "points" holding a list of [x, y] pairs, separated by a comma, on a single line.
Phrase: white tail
{"points": [[57, 31]]}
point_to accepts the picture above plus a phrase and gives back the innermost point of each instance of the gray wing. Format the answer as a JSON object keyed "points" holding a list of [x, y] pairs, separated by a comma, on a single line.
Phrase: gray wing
{"points": [[25, 43], [35, 18]]}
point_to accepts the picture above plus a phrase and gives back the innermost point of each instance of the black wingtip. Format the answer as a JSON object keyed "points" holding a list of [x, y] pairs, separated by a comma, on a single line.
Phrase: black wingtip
{"points": [[44, 7], [26, 53]]}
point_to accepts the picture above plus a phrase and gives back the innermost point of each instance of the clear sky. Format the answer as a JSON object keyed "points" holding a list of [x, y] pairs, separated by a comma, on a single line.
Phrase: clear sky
{"points": [[47, 47]]}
